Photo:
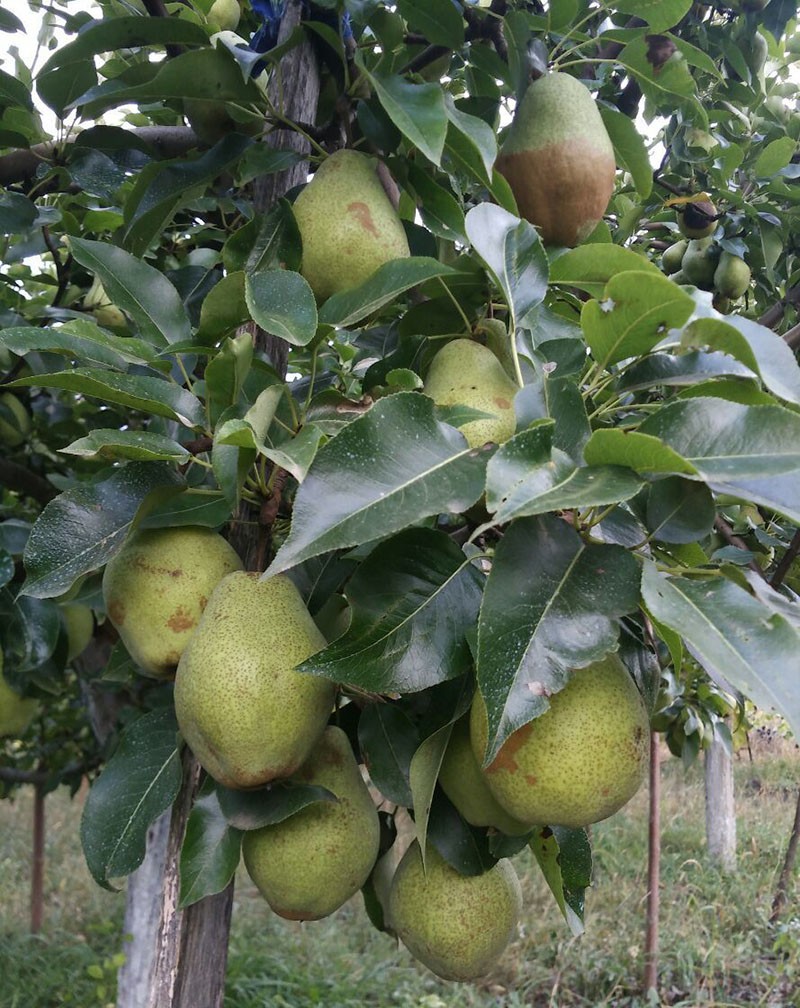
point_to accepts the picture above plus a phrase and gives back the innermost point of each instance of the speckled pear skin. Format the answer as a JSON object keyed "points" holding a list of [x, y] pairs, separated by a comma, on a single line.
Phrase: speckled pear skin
{"points": [[156, 588], [311, 863], [248, 717], [347, 223], [580, 761], [558, 159], [464, 783], [467, 373], [16, 712], [456, 925]]}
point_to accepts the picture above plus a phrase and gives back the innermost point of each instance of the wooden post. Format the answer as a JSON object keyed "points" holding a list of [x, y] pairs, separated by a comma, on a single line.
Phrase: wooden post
{"points": [[720, 807], [653, 871], [37, 860]]}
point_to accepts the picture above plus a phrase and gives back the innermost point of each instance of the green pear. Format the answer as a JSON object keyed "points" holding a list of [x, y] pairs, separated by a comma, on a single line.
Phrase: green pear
{"points": [[15, 423], [697, 218], [581, 760], [732, 276], [468, 374], [348, 224], [311, 863], [672, 257], [700, 261], [16, 712], [223, 15], [156, 588], [457, 925], [247, 715], [558, 159], [464, 783], [79, 624]]}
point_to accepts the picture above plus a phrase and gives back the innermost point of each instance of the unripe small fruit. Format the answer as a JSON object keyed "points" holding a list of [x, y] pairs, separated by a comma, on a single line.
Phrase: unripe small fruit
{"points": [[224, 15], [672, 257], [732, 276], [697, 220]]}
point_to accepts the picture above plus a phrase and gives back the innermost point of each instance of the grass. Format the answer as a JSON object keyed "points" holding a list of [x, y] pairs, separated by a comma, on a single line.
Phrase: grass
{"points": [[717, 948]]}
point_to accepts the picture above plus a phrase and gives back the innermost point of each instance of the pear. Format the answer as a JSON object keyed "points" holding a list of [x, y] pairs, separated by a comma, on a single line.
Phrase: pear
{"points": [[246, 714], [558, 159], [79, 624], [700, 261], [464, 783], [308, 865], [224, 15], [15, 423], [156, 588], [732, 276], [16, 712], [457, 925], [698, 218], [468, 374], [581, 760], [348, 224], [672, 257]]}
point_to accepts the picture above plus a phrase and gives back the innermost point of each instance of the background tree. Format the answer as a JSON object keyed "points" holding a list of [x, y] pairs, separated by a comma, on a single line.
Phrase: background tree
{"points": [[166, 363]]}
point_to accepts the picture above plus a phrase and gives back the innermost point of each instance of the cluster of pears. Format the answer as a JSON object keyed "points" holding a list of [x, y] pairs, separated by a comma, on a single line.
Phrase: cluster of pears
{"points": [[559, 160], [703, 263], [183, 606]]}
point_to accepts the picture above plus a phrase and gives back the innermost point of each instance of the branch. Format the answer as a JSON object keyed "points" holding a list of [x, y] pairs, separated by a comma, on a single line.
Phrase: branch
{"points": [[20, 166], [18, 478], [732, 539], [157, 8], [786, 561]]}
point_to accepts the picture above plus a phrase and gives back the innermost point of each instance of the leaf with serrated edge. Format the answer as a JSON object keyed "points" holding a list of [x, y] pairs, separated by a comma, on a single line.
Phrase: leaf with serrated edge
{"points": [[550, 605], [528, 476], [210, 852], [391, 467], [738, 639], [84, 527], [412, 602], [139, 782]]}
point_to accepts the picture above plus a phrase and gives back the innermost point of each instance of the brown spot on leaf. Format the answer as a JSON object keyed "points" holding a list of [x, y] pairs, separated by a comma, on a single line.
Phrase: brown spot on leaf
{"points": [[362, 214]]}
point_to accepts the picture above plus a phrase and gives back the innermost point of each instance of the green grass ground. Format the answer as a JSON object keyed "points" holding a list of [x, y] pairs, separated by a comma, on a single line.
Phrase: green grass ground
{"points": [[717, 948]]}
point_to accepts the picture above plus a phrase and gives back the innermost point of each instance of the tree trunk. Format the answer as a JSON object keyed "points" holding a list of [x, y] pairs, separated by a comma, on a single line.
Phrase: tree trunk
{"points": [[191, 945], [720, 809]]}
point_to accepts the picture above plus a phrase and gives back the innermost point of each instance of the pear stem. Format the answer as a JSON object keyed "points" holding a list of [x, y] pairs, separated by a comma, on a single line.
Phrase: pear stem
{"points": [[512, 335]]}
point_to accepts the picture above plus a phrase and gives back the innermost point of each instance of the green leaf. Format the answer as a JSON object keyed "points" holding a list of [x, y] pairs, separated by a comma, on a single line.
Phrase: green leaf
{"points": [[438, 20], [661, 83], [636, 313], [413, 600], [248, 810], [297, 454], [282, 303], [774, 157], [549, 606], [466, 848], [386, 283], [760, 349], [417, 110], [164, 187], [640, 452], [629, 148], [679, 511], [192, 507], [81, 339], [139, 782], [388, 740], [471, 143], [739, 640], [138, 289], [150, 395], [127, 444], [226, 374], [514, 254], [13, 91], [559, 398], [84, 527], [590, 267], [388, 469], [423, 774], [681, 369], [60, 87], [17, 213], [565, 857], [528, 476], [224, 308], [659, 14], [746, 451], [210, 852]]}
